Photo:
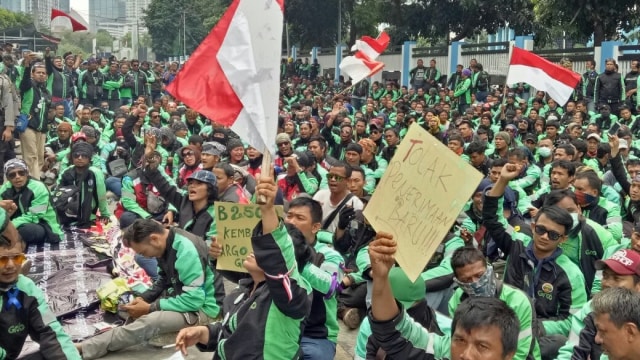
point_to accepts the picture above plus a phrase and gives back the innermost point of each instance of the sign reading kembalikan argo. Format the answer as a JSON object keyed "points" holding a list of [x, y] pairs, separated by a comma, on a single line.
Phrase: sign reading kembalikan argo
{"points": [[235, 223]]}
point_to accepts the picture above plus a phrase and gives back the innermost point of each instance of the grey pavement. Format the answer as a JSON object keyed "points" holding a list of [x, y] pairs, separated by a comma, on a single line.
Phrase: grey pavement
{"points": [[344, 350]]}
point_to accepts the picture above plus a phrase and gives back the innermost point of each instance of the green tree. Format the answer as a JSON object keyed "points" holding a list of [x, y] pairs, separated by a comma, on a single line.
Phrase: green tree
{"points": [[165, 18], [10, 19], [436, 20], [79, 40], [104, 39], [580, 19]]}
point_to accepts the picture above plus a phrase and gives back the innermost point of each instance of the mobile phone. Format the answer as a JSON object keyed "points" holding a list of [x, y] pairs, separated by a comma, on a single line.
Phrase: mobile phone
{"points": [[614, 128]]}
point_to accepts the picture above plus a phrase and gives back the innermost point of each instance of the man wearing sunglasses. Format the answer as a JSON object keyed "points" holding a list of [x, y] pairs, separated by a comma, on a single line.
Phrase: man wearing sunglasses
{"points": [[24, 311], [539, 268], [27, 202]]}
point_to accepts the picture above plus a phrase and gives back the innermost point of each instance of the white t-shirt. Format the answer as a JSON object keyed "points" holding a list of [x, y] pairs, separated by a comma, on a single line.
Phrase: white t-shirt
{"points": [[323, 197]]}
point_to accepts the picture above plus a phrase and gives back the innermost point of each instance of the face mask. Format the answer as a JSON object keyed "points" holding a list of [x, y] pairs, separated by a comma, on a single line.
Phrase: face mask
{"points": [[484, 287], [576, 220], [585, 199], [545, 152]]}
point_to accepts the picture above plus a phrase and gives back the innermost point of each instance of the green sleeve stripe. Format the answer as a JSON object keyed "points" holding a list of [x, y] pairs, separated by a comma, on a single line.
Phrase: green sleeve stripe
{"points": [[415, 333], [286, 245], [38, 209]]}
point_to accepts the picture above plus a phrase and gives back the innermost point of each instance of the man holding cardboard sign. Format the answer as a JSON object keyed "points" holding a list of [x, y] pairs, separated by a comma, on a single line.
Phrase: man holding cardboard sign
{"points": [[419, 197]]}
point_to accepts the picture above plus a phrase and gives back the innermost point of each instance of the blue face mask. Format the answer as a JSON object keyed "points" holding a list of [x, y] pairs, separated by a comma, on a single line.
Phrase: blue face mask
{"points": [[484, 287]]}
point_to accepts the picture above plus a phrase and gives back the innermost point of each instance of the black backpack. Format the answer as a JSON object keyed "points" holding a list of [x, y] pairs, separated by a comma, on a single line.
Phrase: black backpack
{"points": [[483, 81], [66, 201]]}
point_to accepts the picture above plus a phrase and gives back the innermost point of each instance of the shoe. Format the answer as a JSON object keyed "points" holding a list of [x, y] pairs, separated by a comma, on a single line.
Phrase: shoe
{"points": [[352, 318]]}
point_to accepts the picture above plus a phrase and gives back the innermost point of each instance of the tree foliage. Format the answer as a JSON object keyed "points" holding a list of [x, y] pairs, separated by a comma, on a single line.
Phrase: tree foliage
{"points": [[104, 39], [436, 20], [164, 20], [605, 20], [9, 19], [76, 42], [315, 23]]}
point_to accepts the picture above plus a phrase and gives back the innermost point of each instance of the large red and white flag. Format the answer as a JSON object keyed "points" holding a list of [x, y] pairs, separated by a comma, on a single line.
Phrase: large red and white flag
{"points": [[542, 74], [75, 24], [233, 76], [359, 67], [372, 47]]}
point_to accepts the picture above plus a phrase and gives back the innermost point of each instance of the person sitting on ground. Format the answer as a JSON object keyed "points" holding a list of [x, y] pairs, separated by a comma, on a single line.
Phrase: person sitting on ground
{"points": [[183, 295], [483, 325], [228, 189], [25, 311], [88, 181], [28, 203], [270, 307]]}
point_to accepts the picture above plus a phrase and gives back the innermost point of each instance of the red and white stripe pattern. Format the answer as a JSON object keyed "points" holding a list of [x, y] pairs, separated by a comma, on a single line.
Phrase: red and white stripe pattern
{"points": [[233, 75], [359, 67], [372, 47], [542, 74]]}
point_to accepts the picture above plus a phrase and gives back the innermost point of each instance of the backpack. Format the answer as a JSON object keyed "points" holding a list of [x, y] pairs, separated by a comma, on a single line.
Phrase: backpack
{"points": [[66, 201], [482, 84]]}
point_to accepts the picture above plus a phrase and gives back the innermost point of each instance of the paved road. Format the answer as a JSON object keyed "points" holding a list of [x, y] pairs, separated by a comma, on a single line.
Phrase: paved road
{"points": [[344, 350]]}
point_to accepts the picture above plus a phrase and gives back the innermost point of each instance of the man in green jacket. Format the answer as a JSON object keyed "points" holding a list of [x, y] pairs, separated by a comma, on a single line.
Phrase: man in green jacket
{"points": [[182, 296], [539, 268], [36, 101], [28, 203], [481, 325], [621, 270], [24, 311], [462, 91], [320, 334]]}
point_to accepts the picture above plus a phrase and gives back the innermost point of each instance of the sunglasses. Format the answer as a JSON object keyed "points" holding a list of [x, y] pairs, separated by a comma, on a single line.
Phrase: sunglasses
{"points": [[335, 177], [13, 174], [284, 143], [541, 230], [17, 259], [188, 153], [375, 131], [77, 156]]}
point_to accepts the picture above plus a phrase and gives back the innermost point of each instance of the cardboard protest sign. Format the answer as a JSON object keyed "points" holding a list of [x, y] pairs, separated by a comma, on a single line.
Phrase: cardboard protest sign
{"points": [[419, 197], [235, 224]]}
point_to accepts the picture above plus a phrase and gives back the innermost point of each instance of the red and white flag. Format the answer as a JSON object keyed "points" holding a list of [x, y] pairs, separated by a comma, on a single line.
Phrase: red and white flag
{"points": [[372, 47], [75, 24], [359, 67], [542, 74], [233, 76]]}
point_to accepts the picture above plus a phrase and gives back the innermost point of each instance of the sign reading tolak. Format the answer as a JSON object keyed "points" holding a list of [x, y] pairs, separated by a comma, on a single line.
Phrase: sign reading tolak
{"points": [[420, 196]]}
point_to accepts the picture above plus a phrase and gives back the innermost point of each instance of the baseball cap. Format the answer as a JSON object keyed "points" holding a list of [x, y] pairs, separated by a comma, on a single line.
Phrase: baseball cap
{"points": [[622, 262], [594, 136], [204, 176], [213, 148], [531, 137], [376, 123], [282, 138], [404, 290]]}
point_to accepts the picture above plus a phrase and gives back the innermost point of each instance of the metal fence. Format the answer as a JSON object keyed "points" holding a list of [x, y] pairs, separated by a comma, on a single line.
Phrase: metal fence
{"points": [[578, 56], [627, 53], [439, 53], [494, 57]]}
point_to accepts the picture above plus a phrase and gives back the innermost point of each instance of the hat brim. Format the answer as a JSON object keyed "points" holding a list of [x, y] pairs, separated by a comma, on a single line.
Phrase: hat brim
{"points": [[615, 266]]}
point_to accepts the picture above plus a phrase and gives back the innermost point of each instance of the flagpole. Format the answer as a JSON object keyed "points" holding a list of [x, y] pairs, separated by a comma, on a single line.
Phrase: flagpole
{"points": [[266, 166], [350, 87], [505, 92]]}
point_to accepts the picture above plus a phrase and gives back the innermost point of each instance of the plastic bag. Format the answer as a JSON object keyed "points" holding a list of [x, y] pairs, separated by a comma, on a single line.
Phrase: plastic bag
{"points": [[109, 294]]}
